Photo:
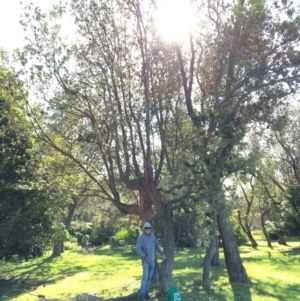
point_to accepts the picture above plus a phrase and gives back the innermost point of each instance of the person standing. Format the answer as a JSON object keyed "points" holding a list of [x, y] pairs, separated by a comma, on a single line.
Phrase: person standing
{"points": [[146, 246]]}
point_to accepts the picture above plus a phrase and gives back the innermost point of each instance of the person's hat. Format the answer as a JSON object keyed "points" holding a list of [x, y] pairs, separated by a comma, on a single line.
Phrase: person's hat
{"points": [[147, 225]]}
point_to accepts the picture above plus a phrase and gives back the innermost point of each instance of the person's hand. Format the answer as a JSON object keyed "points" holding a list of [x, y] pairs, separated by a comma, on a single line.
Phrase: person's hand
{"points": [[163, 256]]}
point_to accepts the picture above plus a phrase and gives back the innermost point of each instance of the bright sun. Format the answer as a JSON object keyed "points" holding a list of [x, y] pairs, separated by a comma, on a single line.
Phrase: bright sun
{"points": [[174, 19]]}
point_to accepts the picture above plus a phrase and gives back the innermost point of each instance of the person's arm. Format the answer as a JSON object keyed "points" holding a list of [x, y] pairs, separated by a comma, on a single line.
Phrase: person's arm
{"points": [[139, 249]]}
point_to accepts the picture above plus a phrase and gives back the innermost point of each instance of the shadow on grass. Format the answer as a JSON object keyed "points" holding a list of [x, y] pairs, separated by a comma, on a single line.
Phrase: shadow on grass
{"points": [[289, 293], [187, 273], [36, 273], [241, 292], [123, 252], [23, 277]]}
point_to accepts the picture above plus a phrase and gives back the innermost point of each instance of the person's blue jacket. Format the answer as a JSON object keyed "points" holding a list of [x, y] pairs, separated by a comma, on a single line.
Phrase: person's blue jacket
{"points": [[146, 246]]}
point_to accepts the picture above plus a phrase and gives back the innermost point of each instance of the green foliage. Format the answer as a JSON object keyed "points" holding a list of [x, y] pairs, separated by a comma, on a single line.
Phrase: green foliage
{"points": [[59, 232], [275, 227], [25, 219], [124, 237], [287, 220], [71, 243], [273, 236], [240, 235], [101, 233], [81, 231], [291, 211]]}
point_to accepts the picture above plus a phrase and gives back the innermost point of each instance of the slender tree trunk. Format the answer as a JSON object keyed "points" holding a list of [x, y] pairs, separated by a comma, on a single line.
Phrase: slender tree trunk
{"points": [[155, 276], [267, 237], [235, 268], [58, 247], [178, 232], [71, 211], [246, 228], [210, 252], [250, 236], [215, 261]]}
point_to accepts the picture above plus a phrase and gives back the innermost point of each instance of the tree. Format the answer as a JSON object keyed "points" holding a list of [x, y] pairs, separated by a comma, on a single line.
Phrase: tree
{"points": [[244, 220], [115, 104], [25, 219], [118, 102], [284, 132], [72, 190], [239, 67]]}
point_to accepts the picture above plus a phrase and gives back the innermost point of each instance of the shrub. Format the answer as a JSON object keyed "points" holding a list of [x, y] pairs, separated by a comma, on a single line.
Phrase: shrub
{"points": [[81, 230], [273, 236], [123, 237], [101, 234], [70, 245], [240, 236]]}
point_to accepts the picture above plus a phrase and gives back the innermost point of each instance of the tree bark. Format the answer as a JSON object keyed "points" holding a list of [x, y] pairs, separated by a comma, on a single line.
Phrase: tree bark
{"points": [[246, 228], [58, 248], [251, 238], [210, 252], [148, 196], [168, 247], [281, 239], [267, 237], [235, 268], [215, 261]]}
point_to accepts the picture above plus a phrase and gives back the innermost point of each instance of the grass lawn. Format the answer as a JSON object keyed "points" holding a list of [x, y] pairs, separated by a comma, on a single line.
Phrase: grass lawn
{"points": [[109, 272]]}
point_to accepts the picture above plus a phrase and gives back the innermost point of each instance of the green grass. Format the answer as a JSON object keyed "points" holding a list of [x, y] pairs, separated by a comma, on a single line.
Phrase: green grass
{"points": [[114, 272]]}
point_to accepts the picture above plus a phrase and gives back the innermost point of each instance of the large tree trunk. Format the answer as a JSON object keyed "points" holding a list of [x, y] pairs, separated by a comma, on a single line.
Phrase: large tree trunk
{"points": [[168, 247], [58, 248], [281, 239], [235, 268]]}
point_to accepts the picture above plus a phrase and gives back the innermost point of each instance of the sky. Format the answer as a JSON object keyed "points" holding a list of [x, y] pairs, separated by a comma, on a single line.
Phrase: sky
{"points": [[11, 31]]}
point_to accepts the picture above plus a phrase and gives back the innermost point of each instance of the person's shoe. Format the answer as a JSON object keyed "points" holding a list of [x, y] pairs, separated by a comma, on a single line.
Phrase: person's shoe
{"points": [[147, 297], [143, 298]]}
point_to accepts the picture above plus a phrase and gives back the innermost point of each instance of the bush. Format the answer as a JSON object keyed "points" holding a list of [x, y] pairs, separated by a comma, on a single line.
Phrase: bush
{"points": [[70, 245], [240, 236], [273, 236], [80, 230], [101, 234], [123, 237]]}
